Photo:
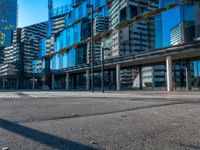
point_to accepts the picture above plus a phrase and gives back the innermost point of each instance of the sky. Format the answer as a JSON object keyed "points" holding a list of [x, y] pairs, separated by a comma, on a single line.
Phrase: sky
{"points": [[35, 11]]}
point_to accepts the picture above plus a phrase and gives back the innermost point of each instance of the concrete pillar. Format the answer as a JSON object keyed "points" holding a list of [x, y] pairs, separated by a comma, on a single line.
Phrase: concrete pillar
{"points": [[169, 73], [88, 79], [140, 78], [17, 83], [46, 82], [67, 82], [4, 83], [73, 82], [188, 76], [118, 77], [53, 82], [33, 83], [77, 81], [110, 79]]}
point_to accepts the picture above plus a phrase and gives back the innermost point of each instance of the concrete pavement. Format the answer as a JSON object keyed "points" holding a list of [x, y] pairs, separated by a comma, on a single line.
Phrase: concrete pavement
{"points": [[111, 121]]}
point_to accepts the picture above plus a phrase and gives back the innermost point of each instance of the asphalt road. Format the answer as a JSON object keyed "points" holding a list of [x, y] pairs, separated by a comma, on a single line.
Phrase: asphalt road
{"points": [[110, 121]]}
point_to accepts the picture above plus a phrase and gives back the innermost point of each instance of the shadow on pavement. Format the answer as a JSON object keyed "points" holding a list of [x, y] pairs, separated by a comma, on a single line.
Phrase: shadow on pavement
{"points": [[23, 95], [42, 137]]}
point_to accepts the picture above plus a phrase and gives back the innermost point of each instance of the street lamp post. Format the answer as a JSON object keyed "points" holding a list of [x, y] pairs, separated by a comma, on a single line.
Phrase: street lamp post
{"points": [[92, 48], [102, 68], [140, 41]]}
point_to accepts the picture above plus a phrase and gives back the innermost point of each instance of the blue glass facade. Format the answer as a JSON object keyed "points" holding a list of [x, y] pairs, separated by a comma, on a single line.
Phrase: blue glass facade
{"points": [[71, 24], [166, 21], [164, 3], [8, 21], [78, 25], [61, 10], [43, 49], [197, 68]]}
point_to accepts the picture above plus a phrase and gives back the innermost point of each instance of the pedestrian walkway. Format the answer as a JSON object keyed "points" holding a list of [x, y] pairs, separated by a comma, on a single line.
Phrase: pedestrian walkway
{"points": [[8, 95], [118, 94], [98, 94]]}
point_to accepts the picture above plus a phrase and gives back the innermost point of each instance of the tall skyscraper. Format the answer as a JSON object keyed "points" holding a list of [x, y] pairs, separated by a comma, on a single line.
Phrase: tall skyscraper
{"points": [[17, 65], [8, 21], [137, 37]]}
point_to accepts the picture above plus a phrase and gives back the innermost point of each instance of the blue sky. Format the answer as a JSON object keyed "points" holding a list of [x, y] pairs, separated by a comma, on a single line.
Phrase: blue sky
{"points": [[35, 11]]}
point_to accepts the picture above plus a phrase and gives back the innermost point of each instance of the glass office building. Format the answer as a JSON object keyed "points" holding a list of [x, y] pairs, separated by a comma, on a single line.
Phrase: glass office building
{"points": [[178, 24], [17, 66], [77, 29], [175, 26], [8, 21], [184, 17]]}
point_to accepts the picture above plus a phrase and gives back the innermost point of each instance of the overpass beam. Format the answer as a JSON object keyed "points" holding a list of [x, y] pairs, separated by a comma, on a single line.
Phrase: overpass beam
{"points": [[169, 73], [188, 76], [118, 77], [53, 82], [88, 79], [67, 81]]}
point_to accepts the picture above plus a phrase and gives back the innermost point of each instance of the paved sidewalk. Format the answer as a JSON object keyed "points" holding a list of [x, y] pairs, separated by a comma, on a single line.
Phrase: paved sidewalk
{"points": [[118, 94]]}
